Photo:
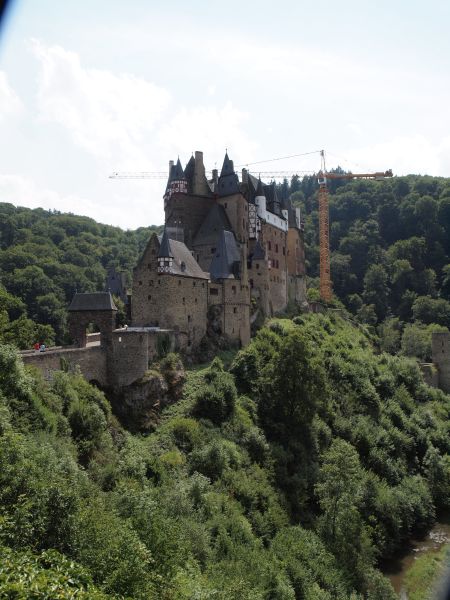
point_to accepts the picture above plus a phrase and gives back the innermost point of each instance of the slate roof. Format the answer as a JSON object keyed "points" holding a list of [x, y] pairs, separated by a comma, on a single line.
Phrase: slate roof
{"points": [[227, 167], [215, 222], [273, 203], [178, 172], [259, 188], [258, 253], [223, 264], [183, 261], [228, 180], [92, 301], [165, 250]]}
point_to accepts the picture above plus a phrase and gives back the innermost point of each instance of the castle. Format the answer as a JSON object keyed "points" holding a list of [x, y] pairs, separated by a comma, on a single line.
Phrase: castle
{"points": [[231, 250]]}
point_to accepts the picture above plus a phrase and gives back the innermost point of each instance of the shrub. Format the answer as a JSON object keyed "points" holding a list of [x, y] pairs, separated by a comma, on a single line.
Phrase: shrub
{"points": [[216, 400]]}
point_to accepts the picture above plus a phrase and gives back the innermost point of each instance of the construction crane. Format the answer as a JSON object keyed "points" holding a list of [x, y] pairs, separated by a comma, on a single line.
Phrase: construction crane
{"points": [[325, 285], [163, 174]]}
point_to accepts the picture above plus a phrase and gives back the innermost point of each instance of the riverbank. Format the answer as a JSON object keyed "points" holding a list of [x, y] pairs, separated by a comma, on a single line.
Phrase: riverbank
{"points": [[414, 572], [422, 579]]}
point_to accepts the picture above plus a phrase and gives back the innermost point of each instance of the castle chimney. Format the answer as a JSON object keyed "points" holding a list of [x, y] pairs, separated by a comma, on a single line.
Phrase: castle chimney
{"points": [[215, 178], [170, 166], [244, 176], [200, 186]]}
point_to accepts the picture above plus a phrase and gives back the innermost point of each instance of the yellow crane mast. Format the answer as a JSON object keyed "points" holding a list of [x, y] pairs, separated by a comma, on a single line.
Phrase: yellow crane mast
{"points": [[325, 285]]}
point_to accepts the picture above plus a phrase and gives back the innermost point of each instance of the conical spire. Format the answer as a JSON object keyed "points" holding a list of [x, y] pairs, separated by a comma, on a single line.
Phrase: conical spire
{"points": [[165, 251], [227, 167], [178, 172], [259, 188]]}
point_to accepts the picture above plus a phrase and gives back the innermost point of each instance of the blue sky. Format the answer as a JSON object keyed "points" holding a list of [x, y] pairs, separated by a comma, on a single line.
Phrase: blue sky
{"points": [[90, 87]]}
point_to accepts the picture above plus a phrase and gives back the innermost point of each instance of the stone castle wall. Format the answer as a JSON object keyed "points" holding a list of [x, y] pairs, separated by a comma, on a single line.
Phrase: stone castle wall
{"points": [[441, 358], [91, 362], [236, 208], [274, 242]]}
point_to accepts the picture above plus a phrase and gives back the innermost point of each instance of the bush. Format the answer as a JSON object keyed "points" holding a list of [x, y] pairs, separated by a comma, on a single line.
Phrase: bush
{"points": [[217, 399]]}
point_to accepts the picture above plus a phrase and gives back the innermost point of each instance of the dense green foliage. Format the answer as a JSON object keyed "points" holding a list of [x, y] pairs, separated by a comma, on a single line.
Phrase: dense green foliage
{"points": [[390, 249], [286, 478], [46, 256]]}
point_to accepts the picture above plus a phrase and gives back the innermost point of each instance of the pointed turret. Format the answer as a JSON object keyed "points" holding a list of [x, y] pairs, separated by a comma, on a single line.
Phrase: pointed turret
{"points": [[177, 181], [178, 171], [227, 167], [165, 255], [228, 180], [259, 188]]}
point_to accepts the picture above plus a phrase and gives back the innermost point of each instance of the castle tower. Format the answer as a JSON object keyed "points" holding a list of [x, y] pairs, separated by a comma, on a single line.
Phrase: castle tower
{"points": [[97, 308], [441, 358], [177, 181], [228, 180], [165, 255], [260, 200]]}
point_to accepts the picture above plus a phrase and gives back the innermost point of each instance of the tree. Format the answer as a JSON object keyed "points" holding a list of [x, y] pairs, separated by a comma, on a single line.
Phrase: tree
{"points": [[339, 489], [376, 290], [292, 388], [430, 310], [416, 340]]}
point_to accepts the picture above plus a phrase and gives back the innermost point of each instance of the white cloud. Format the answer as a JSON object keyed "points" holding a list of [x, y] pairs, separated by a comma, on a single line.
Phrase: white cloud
{"points": [[10, 103], [108, 115], [212, 130]]}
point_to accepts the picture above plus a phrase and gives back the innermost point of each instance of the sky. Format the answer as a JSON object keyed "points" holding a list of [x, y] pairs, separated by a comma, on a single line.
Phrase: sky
{"points": [[91, 87]]}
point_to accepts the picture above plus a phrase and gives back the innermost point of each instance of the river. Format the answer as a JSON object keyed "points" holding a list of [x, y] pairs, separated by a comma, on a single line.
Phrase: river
{"points": [[397, 568]]}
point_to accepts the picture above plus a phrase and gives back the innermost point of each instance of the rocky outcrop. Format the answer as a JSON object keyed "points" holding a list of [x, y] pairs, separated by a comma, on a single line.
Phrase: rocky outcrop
{"points": [[138, 405]]}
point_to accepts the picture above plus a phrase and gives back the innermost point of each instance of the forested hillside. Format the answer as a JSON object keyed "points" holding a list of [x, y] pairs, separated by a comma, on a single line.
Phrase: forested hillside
{"points": [[288, 477], [390, 260], [45, 257]]}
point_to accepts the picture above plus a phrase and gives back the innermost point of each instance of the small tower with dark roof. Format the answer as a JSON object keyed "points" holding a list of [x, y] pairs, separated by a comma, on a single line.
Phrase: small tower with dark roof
{"points": [[228, 180], [165, 255], [177, 181]]}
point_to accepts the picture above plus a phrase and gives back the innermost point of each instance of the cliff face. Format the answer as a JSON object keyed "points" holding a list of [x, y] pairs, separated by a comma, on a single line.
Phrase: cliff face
{"points": [[138, 405]]}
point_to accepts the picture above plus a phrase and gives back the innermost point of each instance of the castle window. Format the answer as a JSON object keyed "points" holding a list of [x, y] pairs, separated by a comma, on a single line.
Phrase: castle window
{"points": [[269, 245], [284, 251], [213, 250], [251, 283], [198, 257], [149, 266], [189, 318], [179, 282], [149, 297], [257, 266], [151, 282], [203, 284], [193, 283], [233, 289], [225, 204], [184, 300], [159, 281], [183, 267], [276, 247], [214, 292], [140, 283], [195, 300], [235, 310]]}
